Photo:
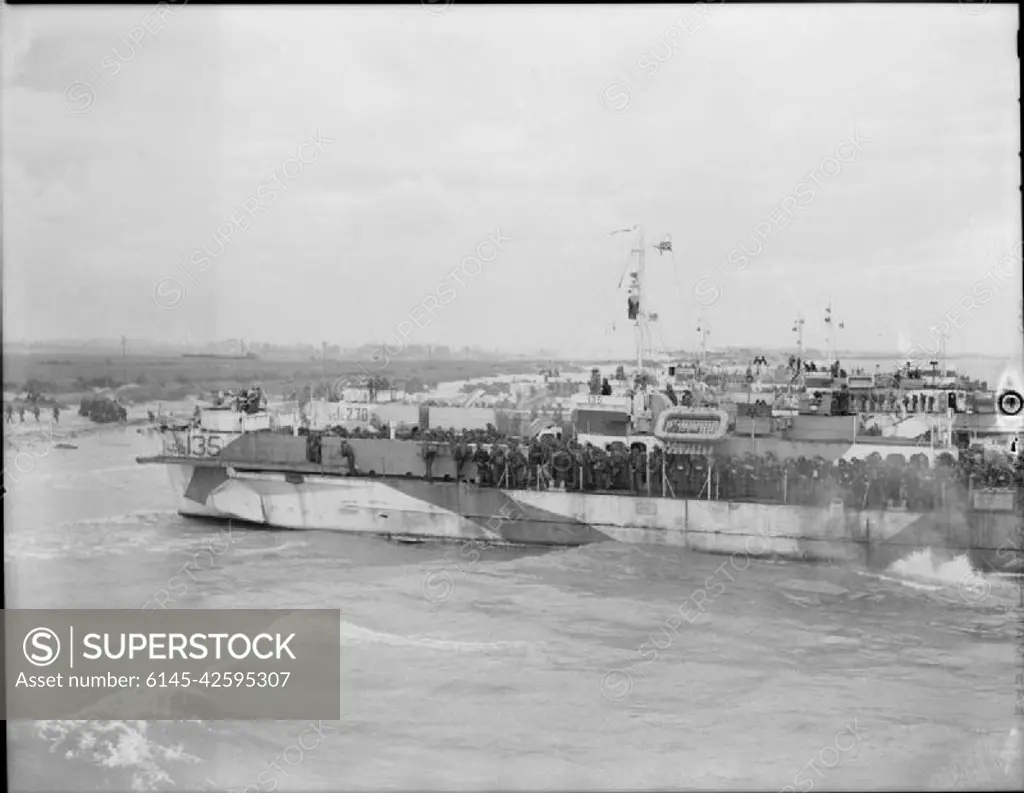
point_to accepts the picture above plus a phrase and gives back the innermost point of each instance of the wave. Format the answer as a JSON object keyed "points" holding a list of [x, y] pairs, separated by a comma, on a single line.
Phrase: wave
{"points": [[135, 516], [54, 541], [992, 762], [356, 634], [64, 476], [285, 546], [924, 565], [932, 570]]}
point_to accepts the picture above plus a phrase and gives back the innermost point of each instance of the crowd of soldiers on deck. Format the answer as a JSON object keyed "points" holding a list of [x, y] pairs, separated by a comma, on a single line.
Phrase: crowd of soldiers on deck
{"points": [[249, 400], [551, 462], [870, 483]]}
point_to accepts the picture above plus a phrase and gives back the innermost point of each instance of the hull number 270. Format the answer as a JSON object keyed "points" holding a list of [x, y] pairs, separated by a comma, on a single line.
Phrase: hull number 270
{"points": [[356, 414]]}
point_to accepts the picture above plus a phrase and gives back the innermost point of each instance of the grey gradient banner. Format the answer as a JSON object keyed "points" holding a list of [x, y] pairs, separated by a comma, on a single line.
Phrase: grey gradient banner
{"points": [[172, 664]]}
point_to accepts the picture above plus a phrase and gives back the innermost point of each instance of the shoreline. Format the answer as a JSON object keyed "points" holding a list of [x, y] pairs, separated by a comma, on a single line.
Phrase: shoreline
{"points": [[71, 399], [21, 434]]}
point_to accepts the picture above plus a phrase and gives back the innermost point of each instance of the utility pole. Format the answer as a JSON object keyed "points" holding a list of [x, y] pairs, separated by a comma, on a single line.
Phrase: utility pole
{"points": [[239, 358], [124, 364]]}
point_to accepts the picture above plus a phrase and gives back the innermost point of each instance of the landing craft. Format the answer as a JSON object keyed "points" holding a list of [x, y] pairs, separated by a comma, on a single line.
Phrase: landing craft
{"points": [[680, 467]]}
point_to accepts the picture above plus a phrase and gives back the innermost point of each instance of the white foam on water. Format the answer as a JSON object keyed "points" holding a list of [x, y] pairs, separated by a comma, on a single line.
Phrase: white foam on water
{"points": [[1013, 753], [123, 745], [356, 634], [275, 549], [989, 763], [932, 570], [909, 584], [54, 541], [923, 566]]}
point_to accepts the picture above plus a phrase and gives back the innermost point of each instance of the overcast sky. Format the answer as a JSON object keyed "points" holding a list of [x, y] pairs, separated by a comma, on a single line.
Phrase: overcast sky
{"points": [[437, 127]]}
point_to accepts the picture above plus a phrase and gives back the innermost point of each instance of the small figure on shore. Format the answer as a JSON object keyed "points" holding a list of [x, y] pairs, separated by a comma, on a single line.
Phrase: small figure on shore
{"points": [[35, 411], [21, 413], [56, 414], [10, 413]]}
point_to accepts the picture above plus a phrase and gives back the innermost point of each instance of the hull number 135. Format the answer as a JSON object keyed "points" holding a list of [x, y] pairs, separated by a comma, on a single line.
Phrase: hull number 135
{"points": [[206, 445]]}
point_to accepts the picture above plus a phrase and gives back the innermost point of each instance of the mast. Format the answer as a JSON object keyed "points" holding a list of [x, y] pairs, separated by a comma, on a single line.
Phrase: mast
{"points": [[798, 329], [828, 331], [832, 328], [639, 282], [830, 339], [637, 310], [704, 331]]}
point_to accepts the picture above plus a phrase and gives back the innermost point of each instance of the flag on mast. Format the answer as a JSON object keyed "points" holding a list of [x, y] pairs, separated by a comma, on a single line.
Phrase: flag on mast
{"points": [[665, 246]]}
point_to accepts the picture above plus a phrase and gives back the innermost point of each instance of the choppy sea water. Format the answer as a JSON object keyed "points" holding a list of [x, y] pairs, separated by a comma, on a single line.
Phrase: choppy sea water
{"points": [[533, 669]]}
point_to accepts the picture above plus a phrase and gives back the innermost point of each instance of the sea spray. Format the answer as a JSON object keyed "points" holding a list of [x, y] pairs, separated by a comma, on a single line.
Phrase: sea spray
{"points": [[923, 565]]}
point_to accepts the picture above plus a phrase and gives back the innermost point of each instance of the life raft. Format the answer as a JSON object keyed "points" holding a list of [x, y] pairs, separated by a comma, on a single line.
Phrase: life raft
{"points": [[688, 425]]}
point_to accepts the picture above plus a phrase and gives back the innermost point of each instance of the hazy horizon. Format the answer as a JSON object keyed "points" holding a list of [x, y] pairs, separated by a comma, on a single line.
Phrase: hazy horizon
{"points": [[229, 346], [141, 142]]}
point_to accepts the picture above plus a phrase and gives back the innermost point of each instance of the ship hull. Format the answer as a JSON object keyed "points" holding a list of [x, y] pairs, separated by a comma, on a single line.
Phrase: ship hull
{"points": [[414, 507]]}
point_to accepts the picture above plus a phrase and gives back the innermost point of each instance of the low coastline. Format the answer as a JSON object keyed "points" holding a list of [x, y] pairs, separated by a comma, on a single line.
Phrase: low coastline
{"points": [[20, 435]]}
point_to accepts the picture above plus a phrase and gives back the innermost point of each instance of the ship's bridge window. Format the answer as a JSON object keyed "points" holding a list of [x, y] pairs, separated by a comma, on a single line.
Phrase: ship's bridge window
{"points": [[602, 422]]}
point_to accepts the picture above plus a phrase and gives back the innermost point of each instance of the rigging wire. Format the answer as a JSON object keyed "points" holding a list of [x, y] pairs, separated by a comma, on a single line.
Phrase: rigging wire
{"points": [[625, 269], [599, 310], [662, 347]]}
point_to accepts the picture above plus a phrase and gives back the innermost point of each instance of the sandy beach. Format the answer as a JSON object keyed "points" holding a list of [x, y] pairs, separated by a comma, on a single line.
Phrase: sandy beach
{"points": [[31, 433]]}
